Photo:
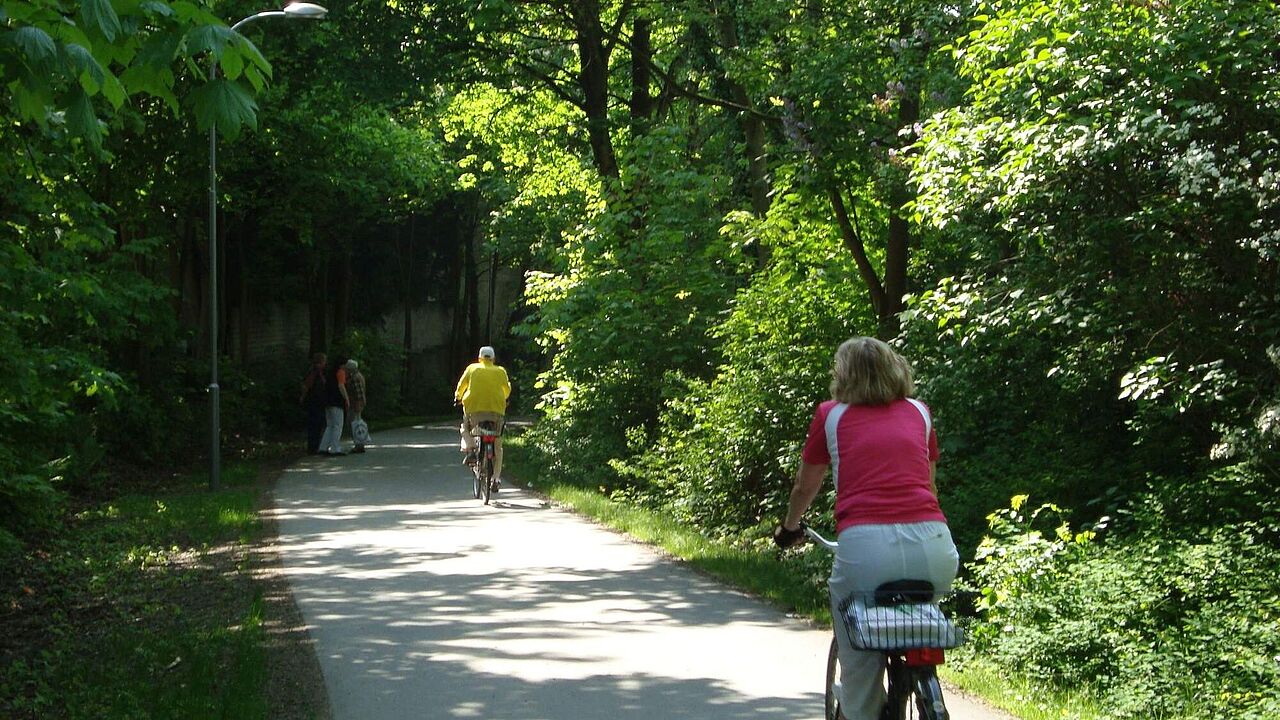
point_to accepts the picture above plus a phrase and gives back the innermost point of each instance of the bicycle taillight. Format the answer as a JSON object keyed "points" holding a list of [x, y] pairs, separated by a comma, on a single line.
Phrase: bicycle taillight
{"points": [[924, 656]]}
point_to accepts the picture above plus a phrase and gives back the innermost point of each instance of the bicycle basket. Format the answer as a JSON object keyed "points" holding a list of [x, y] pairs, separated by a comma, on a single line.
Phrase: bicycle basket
{"points": [[897, 627]]}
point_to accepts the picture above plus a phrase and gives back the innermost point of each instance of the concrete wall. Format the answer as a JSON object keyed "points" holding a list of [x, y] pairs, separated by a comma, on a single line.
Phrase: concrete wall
{"points": [[282, 331]]}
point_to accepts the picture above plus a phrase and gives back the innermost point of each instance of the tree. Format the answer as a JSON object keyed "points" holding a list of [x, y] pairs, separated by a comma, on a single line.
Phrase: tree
{"points": [[1105, 303], [71, 290]]}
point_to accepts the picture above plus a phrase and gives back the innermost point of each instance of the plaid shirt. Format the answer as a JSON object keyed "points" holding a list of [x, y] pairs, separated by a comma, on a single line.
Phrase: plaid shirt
{"points": [[355, 388]]}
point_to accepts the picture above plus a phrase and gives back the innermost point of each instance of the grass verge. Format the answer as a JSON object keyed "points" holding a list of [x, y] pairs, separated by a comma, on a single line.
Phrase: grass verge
{"points": [[139, 606], [1018, 696]]}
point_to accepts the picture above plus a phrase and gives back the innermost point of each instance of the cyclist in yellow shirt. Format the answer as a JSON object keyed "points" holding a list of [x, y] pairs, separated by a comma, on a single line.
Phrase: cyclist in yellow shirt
{"points": [[483, 390]]}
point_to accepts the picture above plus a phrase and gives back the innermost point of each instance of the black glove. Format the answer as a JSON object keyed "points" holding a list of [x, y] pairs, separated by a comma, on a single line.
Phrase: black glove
{"points": [[785, 538]]}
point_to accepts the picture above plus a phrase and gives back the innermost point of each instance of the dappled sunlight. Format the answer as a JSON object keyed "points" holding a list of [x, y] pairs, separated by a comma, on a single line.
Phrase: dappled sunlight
{"points": [[421, 596]]}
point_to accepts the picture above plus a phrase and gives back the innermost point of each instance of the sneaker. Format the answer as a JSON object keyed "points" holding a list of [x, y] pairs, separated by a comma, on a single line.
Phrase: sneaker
{"points": [[358, 449], [470, 459], [497, 485]]}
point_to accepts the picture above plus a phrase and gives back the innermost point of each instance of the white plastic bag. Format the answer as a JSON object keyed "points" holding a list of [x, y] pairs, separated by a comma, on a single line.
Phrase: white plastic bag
{"points": [[360, 432]]}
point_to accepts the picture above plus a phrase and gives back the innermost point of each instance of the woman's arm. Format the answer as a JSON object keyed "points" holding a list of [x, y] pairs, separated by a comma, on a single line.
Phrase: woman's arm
{"points": [[808, 483]]}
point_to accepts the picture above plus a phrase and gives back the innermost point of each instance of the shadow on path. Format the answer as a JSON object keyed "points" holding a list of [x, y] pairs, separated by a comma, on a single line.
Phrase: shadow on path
{"points": [[424, 603]]}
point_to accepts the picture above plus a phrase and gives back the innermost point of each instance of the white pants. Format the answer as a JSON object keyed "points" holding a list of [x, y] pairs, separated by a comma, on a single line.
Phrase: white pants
{"points": [[469, 442], [868, 556], [331, 441]]}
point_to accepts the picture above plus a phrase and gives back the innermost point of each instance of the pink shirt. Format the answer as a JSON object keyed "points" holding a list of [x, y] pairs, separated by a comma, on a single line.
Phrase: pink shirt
{"points": [[880, 458]]}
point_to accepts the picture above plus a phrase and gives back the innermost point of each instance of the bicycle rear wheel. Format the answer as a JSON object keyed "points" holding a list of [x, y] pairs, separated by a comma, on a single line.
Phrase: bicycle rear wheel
{"points": [[486, 474], [914, 693], [832, 700], [928, 695]]}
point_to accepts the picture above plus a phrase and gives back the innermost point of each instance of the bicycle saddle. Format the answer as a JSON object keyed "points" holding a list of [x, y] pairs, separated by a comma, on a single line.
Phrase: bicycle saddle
{"points": [[904, 592]]}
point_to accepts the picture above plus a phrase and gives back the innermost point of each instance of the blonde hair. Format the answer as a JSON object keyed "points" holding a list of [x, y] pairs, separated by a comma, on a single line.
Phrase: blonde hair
{"points": [[867, 371]]}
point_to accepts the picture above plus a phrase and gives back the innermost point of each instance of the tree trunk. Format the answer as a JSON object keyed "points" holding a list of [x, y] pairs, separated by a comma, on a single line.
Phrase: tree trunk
{"points": [[342, 294], [897, 253], [753, 129], [406, 262], [458, 274], [753, 132], [472, 274], [641, 57], [317, 299], [493, 296], [852, 239], [247, 238], [593, 79]]}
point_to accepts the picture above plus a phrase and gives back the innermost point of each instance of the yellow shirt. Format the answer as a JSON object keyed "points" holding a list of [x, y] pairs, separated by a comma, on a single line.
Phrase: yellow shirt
{"points": [[483, 387]]}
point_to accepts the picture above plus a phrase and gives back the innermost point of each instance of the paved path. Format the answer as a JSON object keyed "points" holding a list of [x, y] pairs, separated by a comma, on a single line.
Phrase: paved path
{"points": [[423, 603]]}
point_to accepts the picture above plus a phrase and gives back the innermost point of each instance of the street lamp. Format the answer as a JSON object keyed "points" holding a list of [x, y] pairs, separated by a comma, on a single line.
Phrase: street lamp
{"points": [[300, 10]]}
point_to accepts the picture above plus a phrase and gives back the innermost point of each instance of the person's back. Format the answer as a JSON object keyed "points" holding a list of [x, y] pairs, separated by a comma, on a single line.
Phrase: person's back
{"points": [[484, 387]]}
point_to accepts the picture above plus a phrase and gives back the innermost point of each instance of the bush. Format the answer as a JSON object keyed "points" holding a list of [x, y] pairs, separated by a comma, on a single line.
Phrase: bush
{"points": [[1162, 620], [726, 450], [382, 363]]}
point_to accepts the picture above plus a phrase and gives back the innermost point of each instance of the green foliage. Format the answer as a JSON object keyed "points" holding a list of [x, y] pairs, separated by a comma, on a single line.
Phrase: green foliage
{"points": [[1163, 621], [380, 361], [726, 450], [1098, 160], [631, 299], [67, 294], [991, 361], [1099, 330], [55, 62], [518, 149], [86, 321]]}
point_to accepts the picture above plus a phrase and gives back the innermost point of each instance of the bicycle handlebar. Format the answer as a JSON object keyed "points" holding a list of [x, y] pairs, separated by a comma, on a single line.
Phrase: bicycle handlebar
{"points": [[814, 535]]}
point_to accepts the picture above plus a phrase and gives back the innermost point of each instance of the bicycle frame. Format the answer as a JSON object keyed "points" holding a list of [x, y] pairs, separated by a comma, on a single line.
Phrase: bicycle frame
{"points": [[488, 436]]}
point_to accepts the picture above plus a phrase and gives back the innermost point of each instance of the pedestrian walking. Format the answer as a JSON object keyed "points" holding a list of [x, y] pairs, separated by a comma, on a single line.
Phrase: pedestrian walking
{"points": [[312, 401], [356, 392], [336, 403]]}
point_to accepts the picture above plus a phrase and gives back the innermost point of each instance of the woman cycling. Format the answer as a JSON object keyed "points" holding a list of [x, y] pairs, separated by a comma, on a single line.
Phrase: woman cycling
{"points": [[882, 452]]}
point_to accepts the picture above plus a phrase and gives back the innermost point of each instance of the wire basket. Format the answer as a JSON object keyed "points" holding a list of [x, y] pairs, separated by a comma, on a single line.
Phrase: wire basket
{"points": [[899, 626]]}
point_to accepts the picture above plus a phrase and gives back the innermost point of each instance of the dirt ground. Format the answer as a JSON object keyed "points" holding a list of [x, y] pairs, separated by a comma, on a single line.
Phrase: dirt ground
{"points": [[295, 684]]}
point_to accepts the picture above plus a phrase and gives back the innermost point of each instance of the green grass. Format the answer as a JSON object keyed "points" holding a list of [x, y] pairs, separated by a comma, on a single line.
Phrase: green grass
{"points": [[140, 607], [1019, 696]]}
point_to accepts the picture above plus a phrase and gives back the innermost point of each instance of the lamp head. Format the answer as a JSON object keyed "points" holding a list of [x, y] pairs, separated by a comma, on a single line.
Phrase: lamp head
{"points": [[305, 10]]}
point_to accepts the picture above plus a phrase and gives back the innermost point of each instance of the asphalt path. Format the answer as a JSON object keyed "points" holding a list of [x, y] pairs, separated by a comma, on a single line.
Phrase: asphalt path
{"points": [[424, 603]]}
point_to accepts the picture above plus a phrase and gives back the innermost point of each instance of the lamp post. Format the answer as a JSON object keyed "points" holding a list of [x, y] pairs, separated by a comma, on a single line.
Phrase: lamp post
{"points": [[299, 10]]}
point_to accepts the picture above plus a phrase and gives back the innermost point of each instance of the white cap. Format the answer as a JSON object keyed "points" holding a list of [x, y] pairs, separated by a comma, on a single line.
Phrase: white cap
{"points": [[352, 365], [487, 353]]}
